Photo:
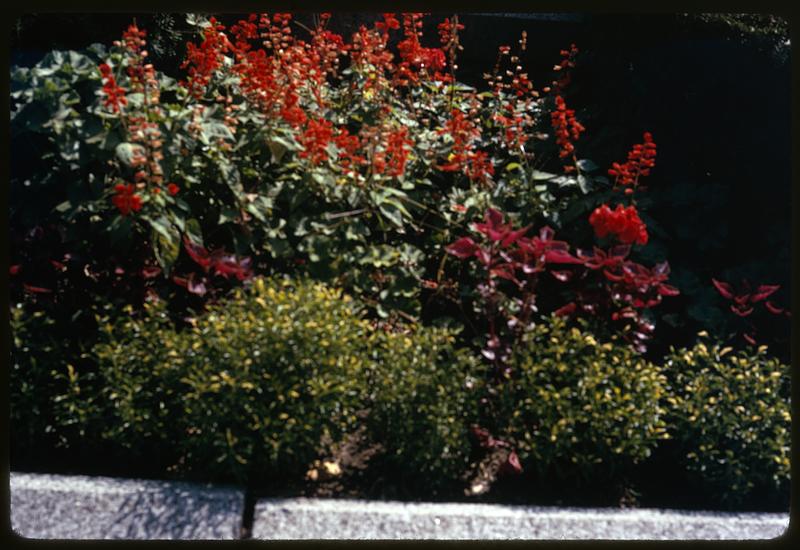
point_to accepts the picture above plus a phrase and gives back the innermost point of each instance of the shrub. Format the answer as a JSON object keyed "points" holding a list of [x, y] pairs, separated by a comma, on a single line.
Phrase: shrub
{"points": [[250, 388], [48, 371], [30, 376], [731, 417], [574, 405], [423, 400]]}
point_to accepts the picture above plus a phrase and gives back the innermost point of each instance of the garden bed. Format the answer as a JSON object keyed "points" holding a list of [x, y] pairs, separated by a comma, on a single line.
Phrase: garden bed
{"points": [[362, 261]]}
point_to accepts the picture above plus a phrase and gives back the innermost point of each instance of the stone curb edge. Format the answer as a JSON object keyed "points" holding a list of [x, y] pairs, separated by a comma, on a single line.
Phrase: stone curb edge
{"points": [[79, 507]]}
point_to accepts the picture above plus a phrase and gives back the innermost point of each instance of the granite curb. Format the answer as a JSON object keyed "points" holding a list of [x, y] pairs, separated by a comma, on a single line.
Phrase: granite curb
{"points": [[80, 507], [352, 519]]}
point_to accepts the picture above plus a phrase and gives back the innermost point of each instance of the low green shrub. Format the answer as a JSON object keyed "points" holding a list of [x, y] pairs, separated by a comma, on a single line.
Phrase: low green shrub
{"points": [[731, 418], [31, 379], [423, 400], [250, 388], [48, 370], [576, 407]]}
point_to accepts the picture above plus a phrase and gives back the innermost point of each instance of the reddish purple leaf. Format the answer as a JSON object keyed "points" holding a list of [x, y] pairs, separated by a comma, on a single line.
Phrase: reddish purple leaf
{"points": [[35, 289], [773, 308], [512, 465], [199, 254], [724, 288], [668, 290], [463, 248], [150, 272], [561, 257], [567, 310], [764, 291], [741, 311], [514, 236]]}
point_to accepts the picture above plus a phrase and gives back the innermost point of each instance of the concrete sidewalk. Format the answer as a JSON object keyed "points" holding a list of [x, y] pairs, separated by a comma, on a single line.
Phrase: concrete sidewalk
{"points": [[78, 507]]}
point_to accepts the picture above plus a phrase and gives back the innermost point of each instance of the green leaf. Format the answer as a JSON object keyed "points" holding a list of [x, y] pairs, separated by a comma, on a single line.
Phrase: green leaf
{"points": [[584, 183], [193, 231], [126, 152], [538, 175], [227, 214], [166, 242], [392, 214], [513, 166], [278, 146], [260, 208]]}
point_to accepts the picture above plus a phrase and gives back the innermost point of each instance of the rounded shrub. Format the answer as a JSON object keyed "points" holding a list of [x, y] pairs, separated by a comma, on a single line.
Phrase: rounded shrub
{"points": [[268, 372], [422, 402], [573, 406], [248, 389], [731, 418]]}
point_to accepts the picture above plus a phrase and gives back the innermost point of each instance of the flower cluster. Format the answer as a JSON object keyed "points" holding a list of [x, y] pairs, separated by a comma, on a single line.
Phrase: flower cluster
{"points": [[567, 129], [315, 140], [125, 199], [622, 222], [640, 160], [115, 95], [203, 60], [567, 63], [448, 37], [476, 165], [396, 152], [413, 57]]}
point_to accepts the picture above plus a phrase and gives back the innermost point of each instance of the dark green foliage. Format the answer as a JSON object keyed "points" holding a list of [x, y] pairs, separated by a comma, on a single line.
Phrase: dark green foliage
{"points": [[578, 406], [731, 417], [423, 400]]}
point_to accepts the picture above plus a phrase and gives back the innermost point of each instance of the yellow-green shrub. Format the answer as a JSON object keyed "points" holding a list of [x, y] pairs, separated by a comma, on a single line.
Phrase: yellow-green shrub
{"points": [[249, 389], [423, 400], [731, 417], [576, 406], [268, 372]]}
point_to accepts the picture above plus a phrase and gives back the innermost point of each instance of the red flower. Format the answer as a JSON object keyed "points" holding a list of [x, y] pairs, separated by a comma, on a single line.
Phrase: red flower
{"points": [[622, 222], [566, 127], [315, 140], [115, 95], [640, 160], [125, 199], [173, 189]]}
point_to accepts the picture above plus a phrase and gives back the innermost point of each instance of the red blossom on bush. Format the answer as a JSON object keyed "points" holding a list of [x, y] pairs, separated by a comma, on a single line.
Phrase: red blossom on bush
{"points": [[397, 149], [566, 127], [173, 189], [125, 199], [115, 95], [315, 139], [640, 160], [203, 60], [622, 222]]}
